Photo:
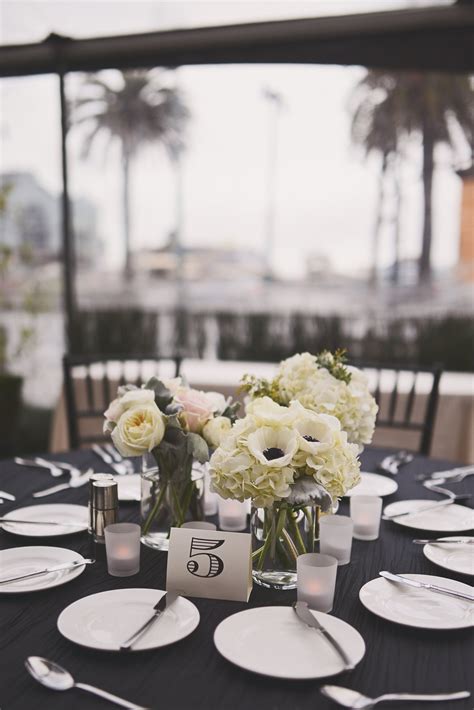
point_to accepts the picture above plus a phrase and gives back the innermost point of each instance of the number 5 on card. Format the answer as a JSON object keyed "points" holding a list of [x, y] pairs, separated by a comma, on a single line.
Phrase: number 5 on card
{"points": [[208, 563]]}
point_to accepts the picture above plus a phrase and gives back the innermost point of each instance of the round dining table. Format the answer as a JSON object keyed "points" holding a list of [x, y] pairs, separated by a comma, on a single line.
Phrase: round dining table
{"points": [[190, 674]]}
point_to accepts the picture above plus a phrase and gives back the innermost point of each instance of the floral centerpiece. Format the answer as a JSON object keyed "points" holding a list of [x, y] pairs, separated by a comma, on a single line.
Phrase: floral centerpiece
{"points": [[325, 384], [291, 462], [170, 425]]}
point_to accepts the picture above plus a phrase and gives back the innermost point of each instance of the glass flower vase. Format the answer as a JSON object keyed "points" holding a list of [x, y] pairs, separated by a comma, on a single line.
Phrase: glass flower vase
{"points": [[279, 534], [169, 498]]}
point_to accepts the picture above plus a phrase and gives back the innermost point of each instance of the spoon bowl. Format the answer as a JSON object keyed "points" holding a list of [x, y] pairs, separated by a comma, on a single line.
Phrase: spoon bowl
{"points": [[49, 674]]}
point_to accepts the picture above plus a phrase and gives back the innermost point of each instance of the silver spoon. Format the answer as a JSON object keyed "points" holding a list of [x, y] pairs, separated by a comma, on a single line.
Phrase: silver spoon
{"points": [[53, 676], [352, 699]]}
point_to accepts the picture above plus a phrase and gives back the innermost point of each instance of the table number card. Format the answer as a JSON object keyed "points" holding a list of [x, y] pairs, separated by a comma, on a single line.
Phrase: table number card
{"points": [[211, 564]]}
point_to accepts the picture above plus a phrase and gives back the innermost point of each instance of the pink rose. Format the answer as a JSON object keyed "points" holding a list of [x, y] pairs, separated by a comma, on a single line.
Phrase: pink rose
{"points": [[197, 408]]}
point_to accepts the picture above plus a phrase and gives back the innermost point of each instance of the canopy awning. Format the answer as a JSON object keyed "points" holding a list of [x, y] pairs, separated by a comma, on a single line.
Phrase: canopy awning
{"points": [[431, 39]]}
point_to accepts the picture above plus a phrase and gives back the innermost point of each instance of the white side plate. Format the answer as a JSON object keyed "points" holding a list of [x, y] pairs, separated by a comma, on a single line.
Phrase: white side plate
{"points": [[418, 607], [52, 512], [450, 518], [456, 558], [103, 621], [371, 484], [272, 641], [24, 560]]}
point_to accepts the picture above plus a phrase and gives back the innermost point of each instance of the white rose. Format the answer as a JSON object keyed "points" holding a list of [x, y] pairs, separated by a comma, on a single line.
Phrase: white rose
{"points": [[217, 401], [215, 430], [139, 430], [131, 398]]}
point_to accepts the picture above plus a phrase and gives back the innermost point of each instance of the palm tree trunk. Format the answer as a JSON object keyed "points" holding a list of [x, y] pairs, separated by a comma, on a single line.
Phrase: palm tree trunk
{"points": [[428, 170], [378, 222], [126, 211]]}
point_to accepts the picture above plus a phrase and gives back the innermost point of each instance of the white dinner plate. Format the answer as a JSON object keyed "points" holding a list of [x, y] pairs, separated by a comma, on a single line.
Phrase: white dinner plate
{"points": [[54, 512], [272, 641], [129, 487], [456, 558], [371, 484], [103, 621], [451, 518], [24, 560], [419, 607]]}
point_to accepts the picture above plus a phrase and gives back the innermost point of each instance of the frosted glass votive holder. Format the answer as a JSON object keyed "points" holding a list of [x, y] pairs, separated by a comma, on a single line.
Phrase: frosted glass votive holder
{"points": [[316, 580], [210, 498], [199, 525], [122, 545], [366, 512], [335, 537], [232, 514]]}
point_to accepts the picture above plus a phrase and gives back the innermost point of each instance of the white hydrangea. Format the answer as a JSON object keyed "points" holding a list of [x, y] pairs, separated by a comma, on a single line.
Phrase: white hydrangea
{"points": [[301, 378], [274, 446]]}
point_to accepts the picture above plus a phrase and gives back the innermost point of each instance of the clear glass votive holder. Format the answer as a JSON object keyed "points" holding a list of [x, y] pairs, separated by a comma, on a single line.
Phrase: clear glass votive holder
{"points": [[335, 537], [366, 512], [316, 580], [232, 514], [210, 498], [122, 545], [199, 525]]}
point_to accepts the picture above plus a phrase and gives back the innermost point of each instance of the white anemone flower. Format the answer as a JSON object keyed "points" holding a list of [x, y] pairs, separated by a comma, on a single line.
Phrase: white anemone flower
{"points": [[273, 448]]}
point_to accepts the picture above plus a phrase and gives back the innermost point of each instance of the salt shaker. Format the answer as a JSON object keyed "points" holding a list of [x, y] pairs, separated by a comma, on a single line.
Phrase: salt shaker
{"points": [[103, 504]]}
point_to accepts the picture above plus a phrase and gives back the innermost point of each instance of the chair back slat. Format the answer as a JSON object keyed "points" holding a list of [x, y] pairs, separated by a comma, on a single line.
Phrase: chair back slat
{"points": [[414, 417], [410, 399], [86, 403]]}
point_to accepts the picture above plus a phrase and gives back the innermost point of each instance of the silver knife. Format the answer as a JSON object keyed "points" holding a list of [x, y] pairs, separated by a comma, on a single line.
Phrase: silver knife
{"points": [[57, 568], [7, 496], [165, 601], [444, 542], [73, 483], [424, 585], [433, 506], [303, 613]]}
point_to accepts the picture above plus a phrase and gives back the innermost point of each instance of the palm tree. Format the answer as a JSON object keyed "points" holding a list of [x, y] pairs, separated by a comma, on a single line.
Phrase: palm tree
{"points": [[435, 108], [141, 111]]}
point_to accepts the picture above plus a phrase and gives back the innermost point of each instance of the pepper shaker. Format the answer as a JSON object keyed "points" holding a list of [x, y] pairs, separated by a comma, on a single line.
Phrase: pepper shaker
{"points": [[103, 504]]}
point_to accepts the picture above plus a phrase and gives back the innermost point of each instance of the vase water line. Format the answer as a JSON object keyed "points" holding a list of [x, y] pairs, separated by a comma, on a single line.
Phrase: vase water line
{"points": [[169, 499], [280, 534]]}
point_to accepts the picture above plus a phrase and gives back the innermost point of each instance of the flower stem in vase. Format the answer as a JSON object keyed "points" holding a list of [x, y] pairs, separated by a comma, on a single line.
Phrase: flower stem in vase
{"points": [[155, 509]]}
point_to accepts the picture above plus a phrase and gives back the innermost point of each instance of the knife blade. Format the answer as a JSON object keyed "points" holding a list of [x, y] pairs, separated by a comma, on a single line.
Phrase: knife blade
{"points": [[303, 613], [48, 570], [73, 483], [77, 524], [440, 541], [425, 585], [163, 603], [7, 496], [433, 506]]}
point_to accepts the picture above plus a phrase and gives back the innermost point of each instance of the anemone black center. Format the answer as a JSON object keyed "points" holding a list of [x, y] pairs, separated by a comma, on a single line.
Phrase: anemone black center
{"points": [[311, 439], [273, 453]]}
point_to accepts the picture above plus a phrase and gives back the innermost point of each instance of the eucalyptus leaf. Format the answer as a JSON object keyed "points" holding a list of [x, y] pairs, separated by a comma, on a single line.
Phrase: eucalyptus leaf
{"points": [[198, 447], [163, 396]]}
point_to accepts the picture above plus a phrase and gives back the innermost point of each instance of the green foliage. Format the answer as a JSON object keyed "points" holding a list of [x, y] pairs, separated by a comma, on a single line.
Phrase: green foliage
{"points": [[260, 387], [335, 363]]}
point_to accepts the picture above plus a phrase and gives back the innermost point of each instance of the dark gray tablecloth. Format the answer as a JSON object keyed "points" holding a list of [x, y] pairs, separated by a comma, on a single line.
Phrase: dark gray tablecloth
{"points": [[191, 673]]}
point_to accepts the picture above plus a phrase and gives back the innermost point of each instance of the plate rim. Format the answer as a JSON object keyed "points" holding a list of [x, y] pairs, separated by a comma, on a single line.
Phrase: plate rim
{"points": [[73, 574], [15, 511], [121, 591], [348, 494], [286, 677], [404, 623], [439, 564], [428, 529]]}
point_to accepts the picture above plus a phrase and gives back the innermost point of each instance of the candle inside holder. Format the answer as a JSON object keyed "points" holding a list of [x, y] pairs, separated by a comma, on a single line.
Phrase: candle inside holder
{"points": [[335, 537], [122, 544], [316, 580], [199, 525], [232, 514], [366, 512]]}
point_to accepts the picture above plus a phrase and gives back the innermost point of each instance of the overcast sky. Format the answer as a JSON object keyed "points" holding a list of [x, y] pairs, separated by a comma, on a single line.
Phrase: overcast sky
{"points": [[325, 192]]}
